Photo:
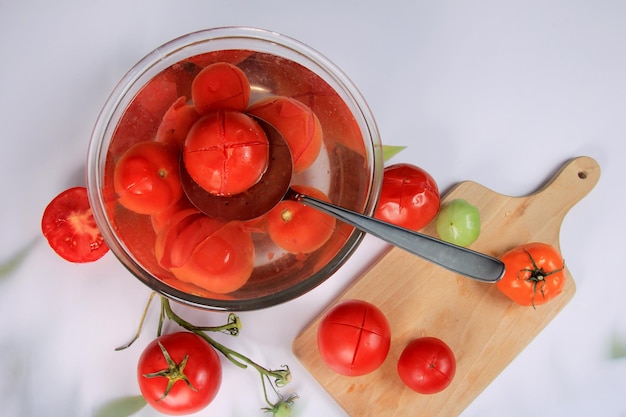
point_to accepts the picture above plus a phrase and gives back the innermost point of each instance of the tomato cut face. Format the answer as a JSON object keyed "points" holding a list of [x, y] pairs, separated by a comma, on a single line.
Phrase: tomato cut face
{"points": [[427, 365], [354, 337], [179, 373], [70, 228]]}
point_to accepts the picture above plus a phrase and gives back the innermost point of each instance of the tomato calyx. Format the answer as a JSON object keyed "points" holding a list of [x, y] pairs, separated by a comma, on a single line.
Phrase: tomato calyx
{"points": [[175, 372], [536, 276]]}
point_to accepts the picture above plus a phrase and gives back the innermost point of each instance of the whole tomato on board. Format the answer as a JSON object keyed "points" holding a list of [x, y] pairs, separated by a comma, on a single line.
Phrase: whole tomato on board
{"points": [[427, 365], [354, 337], [179, 373], [409, 197], [534, 274], [68, 225]]}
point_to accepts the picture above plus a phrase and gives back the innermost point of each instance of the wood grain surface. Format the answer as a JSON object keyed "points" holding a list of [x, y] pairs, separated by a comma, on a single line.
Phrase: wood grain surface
{"points": [[484, 329]]}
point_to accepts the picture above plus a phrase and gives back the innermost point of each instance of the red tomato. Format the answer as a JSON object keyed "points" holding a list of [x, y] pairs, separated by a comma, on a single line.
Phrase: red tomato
{"points": [[409, 197], [298, 228], [176, 123], [353, 338], [206, 252], [70, 228], [179, 373], [146, 177], [296, 123], [427, 365], [220, 86], [162, 219], [534, 274], [226, 152]]}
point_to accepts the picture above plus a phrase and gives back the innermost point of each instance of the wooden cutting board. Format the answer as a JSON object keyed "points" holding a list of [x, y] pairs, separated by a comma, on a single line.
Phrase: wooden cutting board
{"points": [[484, 329]]}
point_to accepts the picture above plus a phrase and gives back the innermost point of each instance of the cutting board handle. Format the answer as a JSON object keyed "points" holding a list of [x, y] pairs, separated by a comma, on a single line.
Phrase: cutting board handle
{"points": [[572, 182]]}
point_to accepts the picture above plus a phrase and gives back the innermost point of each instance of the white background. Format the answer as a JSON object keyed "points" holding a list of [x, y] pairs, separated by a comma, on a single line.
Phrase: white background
{"points": [[498, 92]]}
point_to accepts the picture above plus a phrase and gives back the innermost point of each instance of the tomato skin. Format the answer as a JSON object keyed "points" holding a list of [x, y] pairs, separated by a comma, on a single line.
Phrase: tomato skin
{"points": [[298, 125], [427, 365], [146, 177], [353, 338], [409, 197], [298, 228], [70, 229], [206, 252], [458, 222], [177, 122], [220, 86], [534, 274], [226, 152], [203, 370]]}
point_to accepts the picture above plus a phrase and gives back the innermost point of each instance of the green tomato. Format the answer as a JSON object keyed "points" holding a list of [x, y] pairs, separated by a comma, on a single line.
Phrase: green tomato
{"points": [[458, 222]]}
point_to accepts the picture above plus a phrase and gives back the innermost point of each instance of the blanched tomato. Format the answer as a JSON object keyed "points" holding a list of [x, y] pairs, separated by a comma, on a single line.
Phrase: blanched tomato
{"points": [[70, 228], [176, 123], [298, 228], [427, 365], [146, 177], [298, 125], [179, 373], [220, 86], [409, 197], [206, 252], [534, 274], [226, 152], [353, 338]]}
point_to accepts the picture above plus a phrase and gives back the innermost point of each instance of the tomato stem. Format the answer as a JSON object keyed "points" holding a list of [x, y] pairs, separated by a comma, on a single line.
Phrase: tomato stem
{"points": [[141, 322], [536, 276], [280, 376]]}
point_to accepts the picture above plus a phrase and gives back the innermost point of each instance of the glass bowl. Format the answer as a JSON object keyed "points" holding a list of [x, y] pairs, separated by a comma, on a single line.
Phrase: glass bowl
{"points": [[348, 168]]}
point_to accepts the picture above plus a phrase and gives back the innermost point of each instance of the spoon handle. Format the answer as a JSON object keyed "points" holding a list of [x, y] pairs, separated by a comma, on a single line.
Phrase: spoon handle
{"points": [[455, 258]]}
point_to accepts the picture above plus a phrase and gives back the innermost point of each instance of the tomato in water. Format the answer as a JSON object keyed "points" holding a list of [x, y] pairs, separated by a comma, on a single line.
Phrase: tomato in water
{"points": [[409, 197], [427, 365], [220, 86], [206, 252], [146, 177], [353, 338], [534, 274], [179, 373], [298, 125], [177, 122], [70, 229], [298, 228], [226, 152]]}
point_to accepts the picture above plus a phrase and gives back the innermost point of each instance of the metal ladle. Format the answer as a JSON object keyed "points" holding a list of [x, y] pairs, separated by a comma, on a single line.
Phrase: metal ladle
{"points": [[274, 186]]}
